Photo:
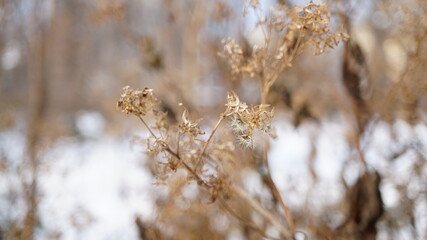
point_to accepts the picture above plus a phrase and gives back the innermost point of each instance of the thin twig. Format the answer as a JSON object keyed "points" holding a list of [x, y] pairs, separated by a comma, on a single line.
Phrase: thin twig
{"points": [[295, 52], [148, 128], [177, 143], [199, 158], [278, 196], [189, 169], [271, 184]]}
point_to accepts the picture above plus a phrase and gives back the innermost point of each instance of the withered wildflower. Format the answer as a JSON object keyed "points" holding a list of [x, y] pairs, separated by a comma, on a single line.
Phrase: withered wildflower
{"points": [[141, 102], [234, 53], [246, 121], [189, 127], [138, 102], [245, 141], [211, 163], [234, 105], [286, 32], [238, 62]]}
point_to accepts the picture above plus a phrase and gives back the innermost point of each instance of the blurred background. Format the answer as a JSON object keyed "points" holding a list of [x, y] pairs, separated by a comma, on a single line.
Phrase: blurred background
{"points": [[70, 170]]}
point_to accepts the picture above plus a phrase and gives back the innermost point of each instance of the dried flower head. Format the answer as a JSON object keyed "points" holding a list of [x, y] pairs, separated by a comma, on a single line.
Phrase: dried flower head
{"points": [[238, 126], [234, 53], [245, 141], [138, 102], [233, 104], [246, 121], [286, 32], [307, 25], [189, 127]]}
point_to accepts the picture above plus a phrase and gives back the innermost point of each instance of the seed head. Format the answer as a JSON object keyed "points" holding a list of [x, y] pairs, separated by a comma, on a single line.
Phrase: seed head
{"points": [[245, 141], [189, 127], [138, 102], [246, 121]]}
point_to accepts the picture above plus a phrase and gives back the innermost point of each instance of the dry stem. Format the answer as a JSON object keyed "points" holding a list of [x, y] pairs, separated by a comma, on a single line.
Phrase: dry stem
{"points": [[246, 222], [241, 193], [199, 158], [148, 128], [261, 210], [270, 182]]}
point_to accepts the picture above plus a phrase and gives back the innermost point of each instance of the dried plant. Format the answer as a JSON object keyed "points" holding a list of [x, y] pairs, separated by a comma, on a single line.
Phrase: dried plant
{"points": [[214, 106], [190, 153], [286, 33]]}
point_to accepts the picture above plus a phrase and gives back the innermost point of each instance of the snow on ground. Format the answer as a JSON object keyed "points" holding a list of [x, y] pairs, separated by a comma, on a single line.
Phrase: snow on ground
{"points": [[93, 190]]}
